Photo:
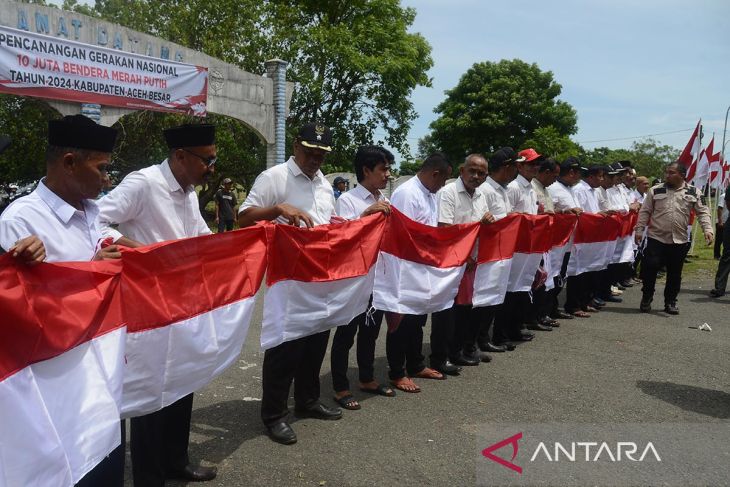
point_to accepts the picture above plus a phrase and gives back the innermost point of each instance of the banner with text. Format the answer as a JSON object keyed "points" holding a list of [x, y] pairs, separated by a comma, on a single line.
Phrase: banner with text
{"points": [[49, 67]]}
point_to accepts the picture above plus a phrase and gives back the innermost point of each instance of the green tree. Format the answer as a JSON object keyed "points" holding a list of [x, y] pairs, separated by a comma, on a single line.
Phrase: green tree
{"points": [[500, 104], [26, 121], [647, 156], [408, 168], [354, 63], [549, 142]]}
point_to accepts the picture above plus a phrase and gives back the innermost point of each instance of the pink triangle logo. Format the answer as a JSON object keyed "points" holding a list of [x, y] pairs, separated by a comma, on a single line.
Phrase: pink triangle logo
{"points": [[512, 440]]}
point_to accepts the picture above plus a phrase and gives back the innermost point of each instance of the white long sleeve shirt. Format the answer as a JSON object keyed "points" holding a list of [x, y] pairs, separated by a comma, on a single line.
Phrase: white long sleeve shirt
{"points": [[150, 206]]}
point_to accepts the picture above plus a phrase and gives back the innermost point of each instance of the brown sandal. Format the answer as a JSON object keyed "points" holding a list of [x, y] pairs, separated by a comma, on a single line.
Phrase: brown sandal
{"points": [[404, 382]]}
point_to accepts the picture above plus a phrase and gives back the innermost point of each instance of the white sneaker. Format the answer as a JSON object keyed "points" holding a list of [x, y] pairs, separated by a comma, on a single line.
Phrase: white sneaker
{"points": [[616, 291]]}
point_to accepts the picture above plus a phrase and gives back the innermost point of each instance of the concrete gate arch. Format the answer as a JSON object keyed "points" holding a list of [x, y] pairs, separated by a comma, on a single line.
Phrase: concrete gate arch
{"points": [[260, 102]]}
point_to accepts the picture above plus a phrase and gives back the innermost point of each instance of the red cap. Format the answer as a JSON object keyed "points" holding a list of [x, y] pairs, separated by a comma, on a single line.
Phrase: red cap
{"points": [[530, 155]]}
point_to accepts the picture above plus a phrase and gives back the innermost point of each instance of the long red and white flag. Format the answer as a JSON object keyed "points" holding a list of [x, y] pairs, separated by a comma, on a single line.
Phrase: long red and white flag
{"points": [[419, 267], [87, 343], [188, 306], [510, 251], [61, 370], [318, 278], [600, 240]]}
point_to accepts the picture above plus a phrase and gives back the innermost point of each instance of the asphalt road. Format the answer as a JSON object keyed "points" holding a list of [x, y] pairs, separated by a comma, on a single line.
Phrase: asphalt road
{"points": [[619, 366]]}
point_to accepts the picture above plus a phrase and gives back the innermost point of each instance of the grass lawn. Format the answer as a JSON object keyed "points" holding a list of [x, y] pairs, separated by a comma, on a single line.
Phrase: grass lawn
{"points": [[702, 264]]}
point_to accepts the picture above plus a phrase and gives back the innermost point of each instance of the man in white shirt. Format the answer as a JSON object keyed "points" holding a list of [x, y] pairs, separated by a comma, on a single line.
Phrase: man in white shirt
{"points": [[544, 300], [416, 198], [502, 171], [564, 201], [156, 204], [296, 193], [372, 169], [461, 201], [58, 222], [523, 198]]}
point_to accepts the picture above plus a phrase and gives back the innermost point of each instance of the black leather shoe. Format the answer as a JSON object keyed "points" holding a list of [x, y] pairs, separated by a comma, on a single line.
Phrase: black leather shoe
{"points": [[484, 356], [716, 293], [523, 337], [466, 360], [195, 474], [509, 346], [598, 303], [540, 327], [282, 433], [491, 347], [671, 309], [626, 283], [559, 315], [645, 305], [448, 368], [319, 411], [546, 320]]}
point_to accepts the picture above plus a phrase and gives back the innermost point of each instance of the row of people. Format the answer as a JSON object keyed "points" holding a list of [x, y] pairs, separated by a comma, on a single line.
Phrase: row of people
{"points": [[60, 221]]}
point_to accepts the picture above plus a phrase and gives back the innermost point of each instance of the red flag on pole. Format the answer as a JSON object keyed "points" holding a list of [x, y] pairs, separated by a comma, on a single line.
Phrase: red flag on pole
{"points": [[691, 150]]}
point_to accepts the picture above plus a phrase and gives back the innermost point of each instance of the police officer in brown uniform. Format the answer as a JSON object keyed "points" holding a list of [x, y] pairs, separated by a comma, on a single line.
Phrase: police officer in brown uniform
{"points": [[664, 217]]}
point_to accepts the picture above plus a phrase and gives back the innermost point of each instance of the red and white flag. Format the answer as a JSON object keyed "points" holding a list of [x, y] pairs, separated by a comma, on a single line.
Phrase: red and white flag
{"points": [[61, 370], [563, 226], [420, 267], [318, 278], [601, 240], [510, 251], [87, 343], [192, 305], [691, 150]]}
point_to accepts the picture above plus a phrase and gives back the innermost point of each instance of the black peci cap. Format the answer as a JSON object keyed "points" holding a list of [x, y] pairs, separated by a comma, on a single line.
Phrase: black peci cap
{"points": [[190, 135], [81, 132], [571, 163], [315, 136]]}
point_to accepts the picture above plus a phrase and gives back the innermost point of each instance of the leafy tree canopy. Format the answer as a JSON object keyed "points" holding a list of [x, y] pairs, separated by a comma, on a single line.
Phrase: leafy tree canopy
{"points": [[501, 104]]}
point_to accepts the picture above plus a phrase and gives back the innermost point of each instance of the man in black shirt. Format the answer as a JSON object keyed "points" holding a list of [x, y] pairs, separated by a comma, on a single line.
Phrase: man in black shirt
{"points": [[225, 203]]}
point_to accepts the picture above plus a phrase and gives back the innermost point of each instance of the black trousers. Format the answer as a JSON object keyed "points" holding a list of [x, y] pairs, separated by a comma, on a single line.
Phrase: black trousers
{"points": [[510, 316], [159, 443], [723, 267], [657, 255], [443, 345], [367, 331], [297, 360], [225, 225], [403, 347], [579, 291], [482, 334], [110, 471], [719, 242]]}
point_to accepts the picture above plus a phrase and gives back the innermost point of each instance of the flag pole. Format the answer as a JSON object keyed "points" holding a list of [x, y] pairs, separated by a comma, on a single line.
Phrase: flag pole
{"points": [[694, 226]]}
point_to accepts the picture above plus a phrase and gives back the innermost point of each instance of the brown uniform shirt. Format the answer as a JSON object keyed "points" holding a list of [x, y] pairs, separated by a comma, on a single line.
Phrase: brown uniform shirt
{"points": [[666, 211]]}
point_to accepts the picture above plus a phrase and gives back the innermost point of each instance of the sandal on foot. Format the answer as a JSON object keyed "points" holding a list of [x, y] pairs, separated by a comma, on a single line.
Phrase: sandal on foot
{"points": [[429, 373], [381, 390], [581, 314], [401, 383], [347, 402]]}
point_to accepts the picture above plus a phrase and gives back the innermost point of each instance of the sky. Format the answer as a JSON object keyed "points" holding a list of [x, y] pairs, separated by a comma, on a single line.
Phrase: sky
{"points": [[628, 67]]}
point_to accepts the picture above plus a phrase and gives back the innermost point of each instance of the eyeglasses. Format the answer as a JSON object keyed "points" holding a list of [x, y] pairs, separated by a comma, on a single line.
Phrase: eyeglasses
{"points": [[209, 161]]}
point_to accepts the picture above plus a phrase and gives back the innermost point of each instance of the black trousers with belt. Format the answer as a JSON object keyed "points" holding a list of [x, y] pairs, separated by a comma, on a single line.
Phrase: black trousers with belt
{"points": [[159, 443], [657, 255], [403, 347], [367, 330], [723, 267], [299, 361]]}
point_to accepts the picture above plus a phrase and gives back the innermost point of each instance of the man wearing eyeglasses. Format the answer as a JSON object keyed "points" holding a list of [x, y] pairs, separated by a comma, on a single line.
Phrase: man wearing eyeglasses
{"points": [[152, 205]]}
